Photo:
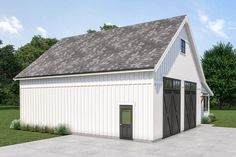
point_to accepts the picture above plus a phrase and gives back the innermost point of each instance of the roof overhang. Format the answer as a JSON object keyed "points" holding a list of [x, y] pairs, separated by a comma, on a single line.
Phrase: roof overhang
{"points": [[85, 74]]}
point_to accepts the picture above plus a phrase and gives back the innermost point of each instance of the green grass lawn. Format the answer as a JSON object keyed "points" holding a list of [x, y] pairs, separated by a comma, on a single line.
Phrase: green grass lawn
{"points": [[225, 118], [9, 136]]}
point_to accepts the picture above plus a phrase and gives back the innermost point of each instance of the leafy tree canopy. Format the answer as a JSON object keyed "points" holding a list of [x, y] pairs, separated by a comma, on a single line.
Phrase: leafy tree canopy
{"points": [[219, 65], [107, 27], [8, 64], [103, 28], [12, 62], [31, 51], [9, 67], [91, 31]]}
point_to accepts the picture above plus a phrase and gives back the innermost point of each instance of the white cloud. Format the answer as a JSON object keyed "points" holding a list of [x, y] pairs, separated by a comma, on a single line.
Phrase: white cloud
{"points": [[42, 31], [10, 25], [217, 26], [203, 18]]}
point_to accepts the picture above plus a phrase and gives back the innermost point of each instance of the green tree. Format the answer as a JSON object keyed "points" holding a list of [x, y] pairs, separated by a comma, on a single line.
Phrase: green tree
{"points": [[31, 51], [219, 65], [103, 28], [107, 27], [12, 62], [91, 31], [9, 67], [8, 64]]}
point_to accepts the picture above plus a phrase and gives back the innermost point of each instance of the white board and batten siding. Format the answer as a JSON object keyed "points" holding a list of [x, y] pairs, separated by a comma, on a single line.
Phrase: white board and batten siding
{"points": [[90, 104], [178, 66]]}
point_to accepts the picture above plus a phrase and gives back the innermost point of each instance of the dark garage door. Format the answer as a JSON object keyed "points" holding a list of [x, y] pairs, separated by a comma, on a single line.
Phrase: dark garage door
{"points": [[190, 105], [171, 107]]}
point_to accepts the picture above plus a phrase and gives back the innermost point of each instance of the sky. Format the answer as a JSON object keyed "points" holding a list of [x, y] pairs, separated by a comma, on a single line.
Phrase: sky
{"points": [[211, 20]]}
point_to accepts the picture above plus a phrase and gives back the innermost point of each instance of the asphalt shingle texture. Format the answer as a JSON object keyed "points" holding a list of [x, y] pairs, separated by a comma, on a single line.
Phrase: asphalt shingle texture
{"points": [[132, 47]]}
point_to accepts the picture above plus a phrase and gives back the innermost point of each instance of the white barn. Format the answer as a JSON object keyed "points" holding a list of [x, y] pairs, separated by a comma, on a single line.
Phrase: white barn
{"points": [[140, 82]]}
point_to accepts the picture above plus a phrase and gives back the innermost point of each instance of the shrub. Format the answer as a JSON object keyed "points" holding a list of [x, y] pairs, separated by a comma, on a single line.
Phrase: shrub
{"points": [[205, 120], [27, 127], [31, 128], [37, 128], [42, 129], [15, 124], [24, 127], [212, 117], [61, 129], [49, 130]]}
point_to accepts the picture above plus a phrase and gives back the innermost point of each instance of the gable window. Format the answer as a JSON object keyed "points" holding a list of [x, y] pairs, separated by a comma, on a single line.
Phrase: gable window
{"points": [[183, 46]]}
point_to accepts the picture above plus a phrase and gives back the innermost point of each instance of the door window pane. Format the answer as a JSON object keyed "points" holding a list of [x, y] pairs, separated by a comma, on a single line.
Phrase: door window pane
{"points": [[126, 116], [187, 85], [167, 83], [193, 86], [176, 84]]}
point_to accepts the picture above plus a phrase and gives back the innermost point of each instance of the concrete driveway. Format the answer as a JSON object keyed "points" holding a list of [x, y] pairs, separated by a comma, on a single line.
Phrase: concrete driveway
{"points": [[203, 141]]}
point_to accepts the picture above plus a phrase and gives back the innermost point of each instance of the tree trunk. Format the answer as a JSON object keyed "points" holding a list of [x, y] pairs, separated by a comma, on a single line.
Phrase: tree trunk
{"points": [[220, 105]]}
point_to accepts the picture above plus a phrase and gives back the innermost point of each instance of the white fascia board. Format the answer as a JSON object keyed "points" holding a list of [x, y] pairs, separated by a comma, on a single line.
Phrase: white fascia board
{"points": [[85, 74], [209, 89]]}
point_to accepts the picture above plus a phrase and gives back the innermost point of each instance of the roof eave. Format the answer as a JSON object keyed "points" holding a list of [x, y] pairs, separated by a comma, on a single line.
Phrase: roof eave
{"points": [[85, 74]]}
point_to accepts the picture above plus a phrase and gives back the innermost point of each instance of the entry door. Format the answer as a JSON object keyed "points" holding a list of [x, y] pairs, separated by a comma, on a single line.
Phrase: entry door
{"points": [[190, 105], [126, 122], [171, 107]]}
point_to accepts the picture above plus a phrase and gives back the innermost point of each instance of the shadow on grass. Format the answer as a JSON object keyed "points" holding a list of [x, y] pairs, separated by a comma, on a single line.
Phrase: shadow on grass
{"points": [[9, 107]]}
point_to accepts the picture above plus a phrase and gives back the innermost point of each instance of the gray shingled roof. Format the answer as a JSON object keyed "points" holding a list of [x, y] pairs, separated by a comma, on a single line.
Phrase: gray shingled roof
{"points": [[132, 47]]}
